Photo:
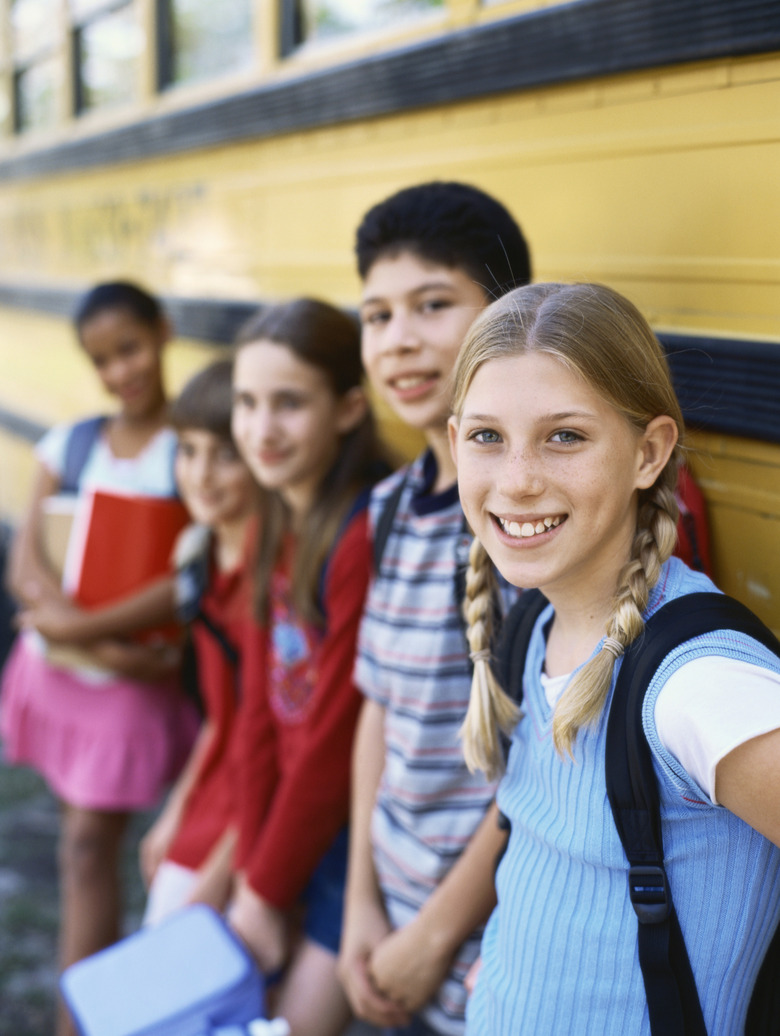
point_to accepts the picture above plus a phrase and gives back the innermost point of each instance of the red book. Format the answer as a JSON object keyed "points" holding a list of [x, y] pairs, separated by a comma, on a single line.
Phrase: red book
{"points": [[123, 543]]}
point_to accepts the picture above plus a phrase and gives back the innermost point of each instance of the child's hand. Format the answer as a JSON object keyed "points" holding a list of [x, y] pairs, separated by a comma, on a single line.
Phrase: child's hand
{"points": [[151, 663], [57, 619], [364, 931], [213, 888], [470, 981], [407, 966], [157, 841], [261, 926], [39, 591], [214, 884]]}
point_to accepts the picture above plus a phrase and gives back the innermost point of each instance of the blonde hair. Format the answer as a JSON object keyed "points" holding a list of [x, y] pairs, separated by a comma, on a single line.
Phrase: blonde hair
{"points": [[600, 336]]}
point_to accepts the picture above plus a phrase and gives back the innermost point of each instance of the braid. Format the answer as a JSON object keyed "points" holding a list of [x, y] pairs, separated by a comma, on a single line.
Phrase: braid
{"points": [[583, 701], [490, 709]]}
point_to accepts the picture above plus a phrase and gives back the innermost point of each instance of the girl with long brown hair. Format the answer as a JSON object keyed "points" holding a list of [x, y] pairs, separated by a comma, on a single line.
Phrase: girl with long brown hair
{"points": [[302, 422]]}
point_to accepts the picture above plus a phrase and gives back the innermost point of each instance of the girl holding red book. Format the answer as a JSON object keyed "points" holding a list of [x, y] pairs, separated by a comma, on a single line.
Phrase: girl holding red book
{"points": [[108, 734]]}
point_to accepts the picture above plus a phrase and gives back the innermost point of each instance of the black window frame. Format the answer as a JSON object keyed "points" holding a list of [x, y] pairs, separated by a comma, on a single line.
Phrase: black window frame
{"points": [[165, 64], [290, 27]]}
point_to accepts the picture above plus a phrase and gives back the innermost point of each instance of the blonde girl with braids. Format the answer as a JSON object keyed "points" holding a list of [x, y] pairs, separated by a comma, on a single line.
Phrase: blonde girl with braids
{"points": [[566, 437], [654, 538]]}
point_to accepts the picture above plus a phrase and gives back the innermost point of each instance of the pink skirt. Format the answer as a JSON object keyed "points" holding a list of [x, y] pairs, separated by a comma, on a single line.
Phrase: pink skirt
{"points": [[112, 745]]}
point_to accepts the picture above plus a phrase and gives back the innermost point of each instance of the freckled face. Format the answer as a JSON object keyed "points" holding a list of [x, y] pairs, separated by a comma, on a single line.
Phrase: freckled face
{"points": [[287, 421], [414, 318], [127, 355], [215, 484], [548, 474]]}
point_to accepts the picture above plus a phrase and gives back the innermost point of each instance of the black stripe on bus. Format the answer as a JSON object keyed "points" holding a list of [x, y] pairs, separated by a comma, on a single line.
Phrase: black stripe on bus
{"points": [[724, 384], [210, 320], [563, 43], [21, 427], [727, 385]]}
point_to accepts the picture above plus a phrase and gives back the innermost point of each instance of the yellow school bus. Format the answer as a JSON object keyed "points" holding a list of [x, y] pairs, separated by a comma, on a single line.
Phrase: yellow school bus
{"points": [[223, 154]]}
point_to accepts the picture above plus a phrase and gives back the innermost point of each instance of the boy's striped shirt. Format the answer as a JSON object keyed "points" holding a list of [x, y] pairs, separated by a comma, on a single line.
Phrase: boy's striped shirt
{"points": [[413, 660]]}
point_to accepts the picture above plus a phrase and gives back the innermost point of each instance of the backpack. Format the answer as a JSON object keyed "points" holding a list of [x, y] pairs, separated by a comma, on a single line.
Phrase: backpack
{"points": [[382, 531], [191, 560], [385, 520], [693, 534], [672, 999], [384, 527], [81, 439]]}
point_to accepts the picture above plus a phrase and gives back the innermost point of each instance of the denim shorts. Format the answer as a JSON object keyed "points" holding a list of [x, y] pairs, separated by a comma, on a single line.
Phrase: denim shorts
{"points": [[323, 897], [417, 1028]]}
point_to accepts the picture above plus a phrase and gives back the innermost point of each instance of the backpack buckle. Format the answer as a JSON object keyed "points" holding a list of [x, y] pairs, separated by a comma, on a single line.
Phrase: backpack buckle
{"points": [[648, 890]]}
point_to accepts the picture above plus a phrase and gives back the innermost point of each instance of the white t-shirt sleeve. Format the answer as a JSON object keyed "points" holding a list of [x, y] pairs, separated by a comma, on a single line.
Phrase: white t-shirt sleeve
{"points": [[50, 449], [149, 473], [710, 706]]}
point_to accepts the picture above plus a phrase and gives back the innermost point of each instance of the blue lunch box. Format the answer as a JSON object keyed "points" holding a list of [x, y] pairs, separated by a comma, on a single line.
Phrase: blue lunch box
{"points": [[187, 976]]}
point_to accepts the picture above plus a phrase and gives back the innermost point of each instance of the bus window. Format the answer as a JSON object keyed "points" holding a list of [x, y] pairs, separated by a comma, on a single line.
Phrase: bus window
{"points": [[37, 68], [35, 91], [108, 53], [200, 39], [33, 27], [327, 19], [80, 9]]}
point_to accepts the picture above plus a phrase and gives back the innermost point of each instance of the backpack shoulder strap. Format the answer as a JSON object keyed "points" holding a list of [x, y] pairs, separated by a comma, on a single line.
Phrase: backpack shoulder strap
{"points": [[515, 637], [385, 520], [81, 439], [672, 999], [511, 649], [229, 650]]}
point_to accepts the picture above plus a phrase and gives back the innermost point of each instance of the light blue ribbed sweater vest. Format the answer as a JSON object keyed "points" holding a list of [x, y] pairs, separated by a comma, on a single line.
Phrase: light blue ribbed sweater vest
{"points": [[559, 954]]}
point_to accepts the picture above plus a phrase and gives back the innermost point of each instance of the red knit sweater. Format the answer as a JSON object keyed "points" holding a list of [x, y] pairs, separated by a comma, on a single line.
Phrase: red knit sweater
{"points": [[297, 725]]}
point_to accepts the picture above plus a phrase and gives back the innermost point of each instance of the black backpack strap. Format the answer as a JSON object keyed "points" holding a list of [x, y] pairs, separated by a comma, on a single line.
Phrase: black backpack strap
{"points": [[515, 637], [511, 649], [81, 439], [229, 650], [384, 527], [763, 1017], [385, 520], [672, 998]]}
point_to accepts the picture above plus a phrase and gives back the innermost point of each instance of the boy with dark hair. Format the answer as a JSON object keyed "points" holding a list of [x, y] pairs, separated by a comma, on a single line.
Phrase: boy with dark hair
{"points": [[447, 224], [424, 833]]}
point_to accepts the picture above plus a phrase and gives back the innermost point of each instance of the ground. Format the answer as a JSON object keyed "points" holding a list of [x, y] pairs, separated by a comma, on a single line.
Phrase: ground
{"points": [[28, 903]]}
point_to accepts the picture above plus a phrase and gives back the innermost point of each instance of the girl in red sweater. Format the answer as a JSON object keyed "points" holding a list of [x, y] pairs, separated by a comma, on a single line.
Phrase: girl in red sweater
{"points": [[302, 422], [186, 856]]}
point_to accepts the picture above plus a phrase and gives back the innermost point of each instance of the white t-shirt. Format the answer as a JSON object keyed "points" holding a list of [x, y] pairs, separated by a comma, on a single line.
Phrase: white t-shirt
{"points": [[706, 709], [149, 473]]}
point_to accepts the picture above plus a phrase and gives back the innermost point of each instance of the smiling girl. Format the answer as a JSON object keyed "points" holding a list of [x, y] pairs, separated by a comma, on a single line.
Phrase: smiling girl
{"points": [[107, 744], [186, 856], [566, 441], [302, 422]]}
